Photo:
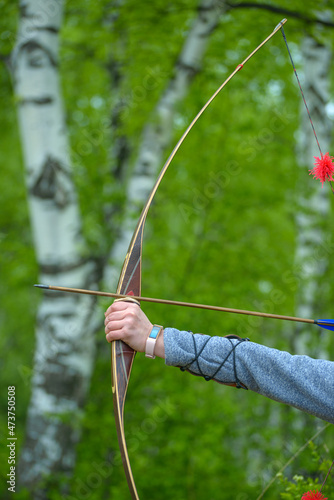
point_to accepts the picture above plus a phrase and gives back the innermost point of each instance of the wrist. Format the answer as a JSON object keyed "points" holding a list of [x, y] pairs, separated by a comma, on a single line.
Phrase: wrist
{"points": [[159, 346]]}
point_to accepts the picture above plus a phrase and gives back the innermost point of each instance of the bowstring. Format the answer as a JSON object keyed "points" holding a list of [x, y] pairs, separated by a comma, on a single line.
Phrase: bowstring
{"points": [[318, 144], [323, 484], [303, 96]]}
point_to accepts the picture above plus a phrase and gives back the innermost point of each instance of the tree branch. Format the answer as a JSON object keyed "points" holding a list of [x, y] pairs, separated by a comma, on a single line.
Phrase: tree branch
{"points": [[279, 10]]}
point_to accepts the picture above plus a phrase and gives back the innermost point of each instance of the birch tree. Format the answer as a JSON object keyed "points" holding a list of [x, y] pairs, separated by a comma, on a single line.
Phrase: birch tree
{"points": [[314, 202], [64, 334], [64, 349], [307, 273], [157, 132]]}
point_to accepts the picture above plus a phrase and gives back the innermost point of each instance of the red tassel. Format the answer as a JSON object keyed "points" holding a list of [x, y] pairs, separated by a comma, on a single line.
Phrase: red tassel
{"points": [[324, 168], [313, 495]]}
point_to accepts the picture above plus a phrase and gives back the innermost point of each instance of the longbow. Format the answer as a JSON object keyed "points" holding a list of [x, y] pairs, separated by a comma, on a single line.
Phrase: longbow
{"points": [[122, 356]]}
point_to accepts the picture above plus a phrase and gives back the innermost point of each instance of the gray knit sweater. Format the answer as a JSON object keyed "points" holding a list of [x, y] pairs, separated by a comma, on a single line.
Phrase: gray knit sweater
{"points": [[299, 381]]}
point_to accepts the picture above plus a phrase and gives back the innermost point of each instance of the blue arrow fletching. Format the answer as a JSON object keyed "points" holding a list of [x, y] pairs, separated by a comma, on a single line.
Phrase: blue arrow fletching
{"points": [[325, 323]]}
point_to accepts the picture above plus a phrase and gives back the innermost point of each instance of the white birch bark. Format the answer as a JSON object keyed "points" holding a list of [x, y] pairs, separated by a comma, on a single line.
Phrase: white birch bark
{"points": [[64, 344], [157, 133], [64, 349], [314, 201], [313, 207]]}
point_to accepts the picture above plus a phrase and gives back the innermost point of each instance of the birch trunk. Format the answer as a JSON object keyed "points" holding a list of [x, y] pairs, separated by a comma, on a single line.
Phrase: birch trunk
{"points": [[157, 133], [64, 344], [64, 349], [314, 202]]}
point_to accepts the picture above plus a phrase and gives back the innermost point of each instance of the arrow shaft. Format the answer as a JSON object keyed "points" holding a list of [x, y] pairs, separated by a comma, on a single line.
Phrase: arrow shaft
{"points": [[179, 303]]}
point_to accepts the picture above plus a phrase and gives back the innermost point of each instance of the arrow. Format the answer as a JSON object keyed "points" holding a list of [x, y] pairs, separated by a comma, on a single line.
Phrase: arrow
{"points": [[323, 323]]}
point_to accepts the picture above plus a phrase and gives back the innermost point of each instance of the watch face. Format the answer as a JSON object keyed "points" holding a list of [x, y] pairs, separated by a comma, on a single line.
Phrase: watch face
{"points": [[154, 332]]}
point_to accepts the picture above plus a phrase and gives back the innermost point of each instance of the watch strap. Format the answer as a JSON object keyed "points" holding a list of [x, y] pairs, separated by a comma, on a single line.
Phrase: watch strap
{"points": [[152, 340]]}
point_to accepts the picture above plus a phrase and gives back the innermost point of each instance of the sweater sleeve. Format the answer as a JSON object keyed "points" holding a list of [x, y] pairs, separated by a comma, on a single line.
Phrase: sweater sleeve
{"points": [[299, 381]]}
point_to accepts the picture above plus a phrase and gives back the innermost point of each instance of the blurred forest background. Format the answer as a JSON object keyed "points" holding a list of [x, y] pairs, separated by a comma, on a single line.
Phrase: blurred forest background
{"points": [[93, 97]]}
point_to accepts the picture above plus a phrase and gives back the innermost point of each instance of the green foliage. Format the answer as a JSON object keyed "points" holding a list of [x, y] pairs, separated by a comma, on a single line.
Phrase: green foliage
{"points": [[295, 488], [221, 231]]}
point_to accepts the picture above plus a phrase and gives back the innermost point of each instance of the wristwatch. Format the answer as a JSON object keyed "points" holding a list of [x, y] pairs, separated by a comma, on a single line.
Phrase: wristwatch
{"points": [[151, 341]]}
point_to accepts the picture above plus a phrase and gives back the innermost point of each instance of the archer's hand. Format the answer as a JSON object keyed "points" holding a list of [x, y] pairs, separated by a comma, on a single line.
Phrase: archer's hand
{"points": [[126, 321]]}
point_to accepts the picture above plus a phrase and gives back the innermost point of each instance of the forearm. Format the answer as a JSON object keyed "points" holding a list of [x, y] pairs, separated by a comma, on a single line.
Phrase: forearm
{"points": [[299, 381]]}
